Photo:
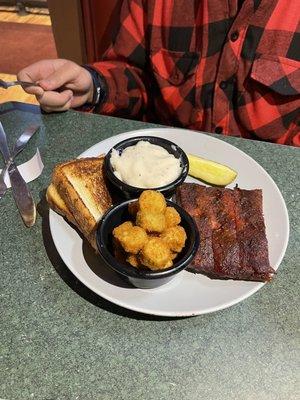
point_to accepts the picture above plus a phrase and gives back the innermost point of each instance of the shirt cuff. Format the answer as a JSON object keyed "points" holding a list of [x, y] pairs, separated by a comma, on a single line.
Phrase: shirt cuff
{"points": [[100, 89]]}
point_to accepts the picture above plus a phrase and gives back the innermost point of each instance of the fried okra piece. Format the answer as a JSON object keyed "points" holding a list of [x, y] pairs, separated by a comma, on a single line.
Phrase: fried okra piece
{"points": [[124, 227], [133, 260], [152, 202], [156, 254], [121, 230], [131, 238], [174, 238], [172, 217], [151, 222]]}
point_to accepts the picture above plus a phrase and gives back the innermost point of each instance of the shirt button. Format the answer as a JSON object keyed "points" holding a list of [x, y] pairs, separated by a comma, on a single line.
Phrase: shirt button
{"points": [[223, 85], [176, 77], [218, 129], [234, 36]]}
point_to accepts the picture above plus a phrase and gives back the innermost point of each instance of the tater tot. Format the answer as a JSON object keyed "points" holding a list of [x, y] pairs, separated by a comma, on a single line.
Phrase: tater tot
{"points": [[152, 201], [131, 238], [133, 260], [151, 222], [119, 230], [172, 217], [156, 254], [154, 238], [174, 237]]}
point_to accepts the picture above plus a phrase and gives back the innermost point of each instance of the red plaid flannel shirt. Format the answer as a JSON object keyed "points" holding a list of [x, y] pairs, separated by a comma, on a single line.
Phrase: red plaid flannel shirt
{"points": [[231, 67]]}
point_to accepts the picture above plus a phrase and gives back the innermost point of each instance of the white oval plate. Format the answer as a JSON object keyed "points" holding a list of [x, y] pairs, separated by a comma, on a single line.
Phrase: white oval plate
{"points": [[188, 294]]}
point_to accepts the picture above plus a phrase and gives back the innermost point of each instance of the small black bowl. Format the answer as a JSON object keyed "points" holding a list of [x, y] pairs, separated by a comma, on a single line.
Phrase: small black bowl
{"points": [[144, 278], [131, 192]]}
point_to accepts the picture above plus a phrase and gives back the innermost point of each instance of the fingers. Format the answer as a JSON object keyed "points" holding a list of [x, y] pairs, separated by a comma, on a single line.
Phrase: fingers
{"points": [[58, 80], [31, 74], [62, 76], [43, 70], [54, 101], [65, 107], [35, 90]]}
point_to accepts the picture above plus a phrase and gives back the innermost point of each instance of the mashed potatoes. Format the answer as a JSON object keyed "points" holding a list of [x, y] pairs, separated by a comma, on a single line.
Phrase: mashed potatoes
{"points": [[145, 165]]}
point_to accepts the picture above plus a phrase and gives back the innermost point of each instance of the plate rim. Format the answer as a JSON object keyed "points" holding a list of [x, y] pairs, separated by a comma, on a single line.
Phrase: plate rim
{"points": [[171, 314]]}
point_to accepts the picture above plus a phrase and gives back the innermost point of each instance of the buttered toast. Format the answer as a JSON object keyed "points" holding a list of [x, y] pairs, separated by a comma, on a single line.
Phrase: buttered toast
{"points": [[78, 192]]}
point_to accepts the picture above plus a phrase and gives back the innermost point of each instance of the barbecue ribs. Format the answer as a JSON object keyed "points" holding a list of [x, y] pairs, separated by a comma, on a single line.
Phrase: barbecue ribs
{"points": [[233, 243]]}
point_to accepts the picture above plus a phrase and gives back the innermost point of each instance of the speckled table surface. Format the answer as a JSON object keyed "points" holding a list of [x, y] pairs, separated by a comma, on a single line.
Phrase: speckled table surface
{"points": [[58, 340]]}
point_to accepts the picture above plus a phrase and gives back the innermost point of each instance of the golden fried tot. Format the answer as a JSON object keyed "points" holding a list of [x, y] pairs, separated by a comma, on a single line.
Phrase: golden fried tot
{"points": [[133, 260], [131, 238], [152, 202], [151, 222], [172, 217], [119, 230], [156, 254], [154, 238], [174, 238]]}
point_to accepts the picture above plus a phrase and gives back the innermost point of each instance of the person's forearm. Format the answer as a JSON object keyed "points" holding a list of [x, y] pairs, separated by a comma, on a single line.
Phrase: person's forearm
{"points": [[122, 66], [124, 89]]}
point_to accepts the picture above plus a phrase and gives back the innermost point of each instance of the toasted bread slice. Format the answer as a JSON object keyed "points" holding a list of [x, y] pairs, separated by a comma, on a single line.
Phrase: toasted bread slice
{"points": [[57, 204], [78, 191]]}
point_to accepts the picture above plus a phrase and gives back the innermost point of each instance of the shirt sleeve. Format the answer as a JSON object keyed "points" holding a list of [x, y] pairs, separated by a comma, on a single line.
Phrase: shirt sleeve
{"points": [[122, 66]]}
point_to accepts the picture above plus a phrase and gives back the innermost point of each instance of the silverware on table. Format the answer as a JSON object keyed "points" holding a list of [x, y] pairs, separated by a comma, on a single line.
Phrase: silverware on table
{"points": [[18, 147], [6, 85], [21, 193]]}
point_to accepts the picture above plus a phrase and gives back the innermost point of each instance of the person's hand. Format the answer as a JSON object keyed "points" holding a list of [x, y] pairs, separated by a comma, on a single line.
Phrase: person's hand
{"points": [[62, 84]]}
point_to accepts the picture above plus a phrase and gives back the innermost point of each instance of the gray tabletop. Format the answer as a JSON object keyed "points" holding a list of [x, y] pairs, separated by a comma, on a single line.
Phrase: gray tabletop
{"points": [[61, 341]]}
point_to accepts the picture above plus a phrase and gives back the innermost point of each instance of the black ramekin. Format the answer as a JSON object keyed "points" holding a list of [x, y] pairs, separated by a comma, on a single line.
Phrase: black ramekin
{"points": [[124, 190], [144, 278]]}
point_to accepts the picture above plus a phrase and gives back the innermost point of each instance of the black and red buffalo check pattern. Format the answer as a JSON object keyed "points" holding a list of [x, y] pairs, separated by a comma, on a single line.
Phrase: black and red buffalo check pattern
{"points": [[231, 67]]}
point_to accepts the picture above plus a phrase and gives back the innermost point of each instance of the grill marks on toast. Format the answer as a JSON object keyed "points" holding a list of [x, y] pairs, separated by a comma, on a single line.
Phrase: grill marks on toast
{"points": [[233, 243]]}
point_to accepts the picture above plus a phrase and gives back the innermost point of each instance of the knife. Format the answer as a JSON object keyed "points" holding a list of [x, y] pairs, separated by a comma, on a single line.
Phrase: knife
{"points": [[18, 147], [21, 193]]}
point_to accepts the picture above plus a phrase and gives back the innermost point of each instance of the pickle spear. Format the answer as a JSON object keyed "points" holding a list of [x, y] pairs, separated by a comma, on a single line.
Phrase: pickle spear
{"points": [[210, 171]]}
